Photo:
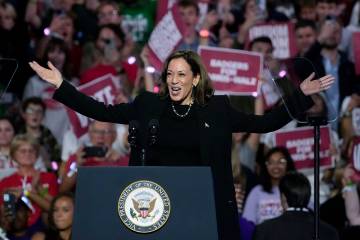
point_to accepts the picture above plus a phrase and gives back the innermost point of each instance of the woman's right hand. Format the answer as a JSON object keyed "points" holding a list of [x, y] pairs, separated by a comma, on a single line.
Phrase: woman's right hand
{"points": [[51, 75]]}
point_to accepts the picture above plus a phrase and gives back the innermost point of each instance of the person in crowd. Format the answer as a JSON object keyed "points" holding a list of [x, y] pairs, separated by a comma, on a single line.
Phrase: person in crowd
{"points": [[253, 14], [264, 200], [108, 58], [307, 10], [305, 33], [62, 26], [35, 188], [327, 59], [189, 12], [102, 135], [55, 118], [16, 226], [61, 215], [325, 8], [33, 110], [297, 221], [185, 105], [7, 133]]}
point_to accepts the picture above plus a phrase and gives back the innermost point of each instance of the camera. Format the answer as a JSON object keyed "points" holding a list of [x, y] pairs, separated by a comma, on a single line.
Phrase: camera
{"points": [[95, 151]]}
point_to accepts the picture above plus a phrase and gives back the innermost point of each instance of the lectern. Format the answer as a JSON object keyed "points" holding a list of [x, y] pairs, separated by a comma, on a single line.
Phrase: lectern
{"points": [[133, 203]]}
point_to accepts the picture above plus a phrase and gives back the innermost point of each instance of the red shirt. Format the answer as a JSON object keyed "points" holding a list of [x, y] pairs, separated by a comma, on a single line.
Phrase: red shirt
{"points": [[48, 182], [122, 161]]}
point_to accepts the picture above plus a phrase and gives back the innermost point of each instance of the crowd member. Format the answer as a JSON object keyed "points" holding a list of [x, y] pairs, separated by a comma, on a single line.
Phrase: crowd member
{"points": [[297, 221], [101, 135], [264, 200], [16, 226], [253, 14], [38, 188], [305, 33], [186, 83], [62, 26], [55, 118], [109, 59], [86, 19], [326, 58], [33, 110], [307, 10], [189, 12], [61, 215], [325, 8], [7, 133]]}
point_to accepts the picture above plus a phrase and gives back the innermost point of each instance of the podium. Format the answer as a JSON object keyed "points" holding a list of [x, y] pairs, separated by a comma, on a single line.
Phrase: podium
{"points": [[164, 202]]}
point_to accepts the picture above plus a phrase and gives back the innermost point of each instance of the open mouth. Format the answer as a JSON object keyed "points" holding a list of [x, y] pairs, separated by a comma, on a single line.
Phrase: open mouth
{"points": [[175, 90]]}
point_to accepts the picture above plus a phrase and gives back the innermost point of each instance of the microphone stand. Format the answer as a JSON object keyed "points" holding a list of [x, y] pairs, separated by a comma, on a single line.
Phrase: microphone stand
{"points": [[316, 122]]}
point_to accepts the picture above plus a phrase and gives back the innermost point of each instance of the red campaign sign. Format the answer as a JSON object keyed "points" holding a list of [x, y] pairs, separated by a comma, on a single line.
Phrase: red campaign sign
{"points": [[163, 6], [282, 36], [103, 89], [300, 143], [232, 72], [165, 37], [356, 47]]}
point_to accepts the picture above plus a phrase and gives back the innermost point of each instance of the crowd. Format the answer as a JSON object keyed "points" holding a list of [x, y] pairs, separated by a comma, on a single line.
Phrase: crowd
{"points": [[88, 39]]}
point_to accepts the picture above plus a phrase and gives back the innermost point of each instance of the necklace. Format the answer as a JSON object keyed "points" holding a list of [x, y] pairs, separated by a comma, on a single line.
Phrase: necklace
{"points": [[178, 114]]}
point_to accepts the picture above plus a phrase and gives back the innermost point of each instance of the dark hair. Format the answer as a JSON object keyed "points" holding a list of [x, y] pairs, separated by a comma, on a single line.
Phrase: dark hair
{"points": [[58, 43], [296, 188], [265, 178], [53, 233], [189, 3], [203, 91], [8, 119], [115, 28], [305, 23], [35, 101], [262, 39]]}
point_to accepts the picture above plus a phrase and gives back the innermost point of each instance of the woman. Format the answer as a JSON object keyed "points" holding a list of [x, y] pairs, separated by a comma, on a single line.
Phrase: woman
{"points": [[263, 201], [60, 218], [7, 132], [186, 105], [37, 187]]}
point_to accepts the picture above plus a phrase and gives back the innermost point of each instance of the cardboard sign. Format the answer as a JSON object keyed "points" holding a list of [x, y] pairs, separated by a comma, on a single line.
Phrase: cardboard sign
{"points": [[165, 37], [232, 72], [300, 143], [103, 90], [356, 47], [282, 36]]}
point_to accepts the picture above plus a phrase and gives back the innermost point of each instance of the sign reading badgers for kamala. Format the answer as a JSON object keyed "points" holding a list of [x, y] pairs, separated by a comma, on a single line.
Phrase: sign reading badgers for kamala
{"points": [[232, 72]]}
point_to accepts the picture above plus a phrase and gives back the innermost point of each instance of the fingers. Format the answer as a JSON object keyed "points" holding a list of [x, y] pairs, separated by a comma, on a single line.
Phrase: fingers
{"points": [[326, 82], [310, 77], [51, 66]]}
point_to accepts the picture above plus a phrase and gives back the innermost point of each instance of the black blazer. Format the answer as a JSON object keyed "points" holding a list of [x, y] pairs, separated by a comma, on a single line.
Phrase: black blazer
{"points": [[217, 121], [294, 226]]}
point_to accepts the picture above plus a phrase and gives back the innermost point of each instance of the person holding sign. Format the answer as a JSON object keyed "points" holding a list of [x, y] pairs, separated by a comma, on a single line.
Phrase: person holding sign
{"points": [[196, 126]]}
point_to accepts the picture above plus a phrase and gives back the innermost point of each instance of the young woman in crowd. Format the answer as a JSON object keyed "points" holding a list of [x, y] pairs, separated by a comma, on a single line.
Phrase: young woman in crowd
{"points": [[60, 219]]}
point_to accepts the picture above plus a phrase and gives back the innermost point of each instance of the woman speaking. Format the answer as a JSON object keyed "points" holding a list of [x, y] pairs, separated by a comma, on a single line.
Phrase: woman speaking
{"points": [[196, 126]]}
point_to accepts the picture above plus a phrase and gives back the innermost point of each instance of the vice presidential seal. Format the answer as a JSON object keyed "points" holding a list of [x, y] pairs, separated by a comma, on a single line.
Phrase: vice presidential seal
{"points": [[144, 206]]}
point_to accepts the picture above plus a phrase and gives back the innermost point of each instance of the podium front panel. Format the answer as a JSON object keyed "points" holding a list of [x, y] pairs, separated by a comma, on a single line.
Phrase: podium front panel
{"points": [[190, 190]]}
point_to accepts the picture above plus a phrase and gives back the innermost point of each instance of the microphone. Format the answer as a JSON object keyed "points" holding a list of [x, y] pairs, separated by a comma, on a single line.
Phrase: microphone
{"points": [[133, 133], [153, 131]]}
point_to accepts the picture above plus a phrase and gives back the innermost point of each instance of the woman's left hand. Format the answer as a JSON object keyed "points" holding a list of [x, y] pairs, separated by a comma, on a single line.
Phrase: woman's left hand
{"points": [[310, 86]]}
